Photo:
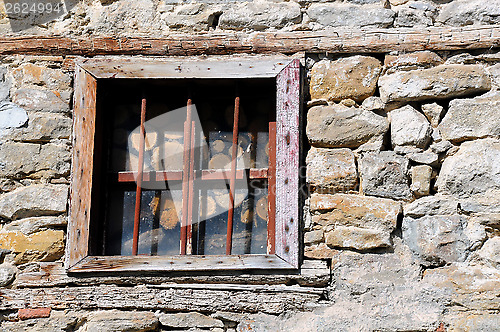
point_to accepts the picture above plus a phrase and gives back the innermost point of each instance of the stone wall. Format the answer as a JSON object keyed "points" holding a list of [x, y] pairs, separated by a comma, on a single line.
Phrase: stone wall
{"points": [[402, 217]]}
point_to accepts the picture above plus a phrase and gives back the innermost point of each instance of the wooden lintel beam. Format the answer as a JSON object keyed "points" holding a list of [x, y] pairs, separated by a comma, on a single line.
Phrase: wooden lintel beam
{"points": [[340, 40]]}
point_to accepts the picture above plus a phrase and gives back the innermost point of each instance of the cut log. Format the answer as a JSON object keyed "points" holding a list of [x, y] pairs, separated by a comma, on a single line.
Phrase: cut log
{"points": [[149, 143], [171, 159], [261, 208], [218, 146], [220, 161], [169, 217], [222, 198], [208, 207]]}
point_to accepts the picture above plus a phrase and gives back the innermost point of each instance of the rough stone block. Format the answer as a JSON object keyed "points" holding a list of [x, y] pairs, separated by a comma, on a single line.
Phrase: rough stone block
{"points": [[472, 118], [347, 78], [409, 127], [122, 321], [421, 180], [193, 16], [345, 14], [384, 174], [12, 116], [42, 127], [437, 240], [331, 170], [490, 251], [426, 157], [319, 251], [189, 320], [313, 237], [260, 15], [47, 245], [4, 84], [58, 321], [410, 61], [32, 225], [19, 159], [433, 112], [431, 205], [472, 170], [357, 238], [445, 81], [414, 14], [339, 126], [467, 12], [36, 200], [40, 100], [32, 74], [7, 274]]}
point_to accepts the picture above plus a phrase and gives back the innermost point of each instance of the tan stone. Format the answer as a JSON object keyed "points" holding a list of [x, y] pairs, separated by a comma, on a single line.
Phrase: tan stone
{"points": [[414, 60], [421, 180], [355, 210], [357, 238], [331, 170], [347, 78], [29, 73], [47, 245], [313, 236], [320, 251]]}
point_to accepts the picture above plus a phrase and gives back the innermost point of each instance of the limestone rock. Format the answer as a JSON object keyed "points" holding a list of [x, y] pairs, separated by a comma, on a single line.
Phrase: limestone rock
{"points": [[188, 320], [313, 236], [431, 205], [373, 104], [409, 127], [12, 116], [495, 75], [7, 274], [445, 81], [472, 170], [260, 15], [472, 118], [414, 14], [436, 240], [193, 16], [441, 147], [352, 77], [487, 202], [32, 225], [331, 170], [33, 74], [345, 14], [59, 321], [42, 127], [433, 112], [19, 159], [482, 322], [36, 200], [39, 100], [259, 323], [47, 245], [421, 180], [355, 210], [357, 238], [410, 61], [384, 174], [122, 321], [427, 157], [490, 251], [467, 12], [340, 126]]}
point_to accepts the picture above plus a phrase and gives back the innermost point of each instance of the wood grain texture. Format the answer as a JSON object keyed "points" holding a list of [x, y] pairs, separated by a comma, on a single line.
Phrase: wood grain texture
{"points": [[342, 40], [234, 298], [84, 118], [288, 163], [313, 273]]}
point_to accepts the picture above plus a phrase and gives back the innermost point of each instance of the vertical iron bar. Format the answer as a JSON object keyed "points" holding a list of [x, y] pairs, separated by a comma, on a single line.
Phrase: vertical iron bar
{"points": [[140, 169], [189, 234], [185, 177], [271, 191], [229, 239]]}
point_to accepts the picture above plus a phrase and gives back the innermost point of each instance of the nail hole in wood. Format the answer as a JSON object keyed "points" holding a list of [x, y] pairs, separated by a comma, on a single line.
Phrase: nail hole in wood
{"points": [[287, 139], [286, 181]]}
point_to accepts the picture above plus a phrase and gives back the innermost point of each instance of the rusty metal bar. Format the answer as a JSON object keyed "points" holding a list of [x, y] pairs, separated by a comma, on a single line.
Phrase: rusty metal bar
{"points": [[271, 191], [232, 180], [185, 178], [189, 226], [140, 169]]}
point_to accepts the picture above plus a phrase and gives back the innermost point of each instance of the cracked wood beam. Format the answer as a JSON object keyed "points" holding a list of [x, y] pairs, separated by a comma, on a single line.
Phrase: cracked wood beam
{"points": [[340, 40]]}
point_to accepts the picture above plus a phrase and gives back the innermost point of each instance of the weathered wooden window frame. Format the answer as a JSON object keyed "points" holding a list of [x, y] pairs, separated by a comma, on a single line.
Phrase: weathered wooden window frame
{"points": [[286, 72]]}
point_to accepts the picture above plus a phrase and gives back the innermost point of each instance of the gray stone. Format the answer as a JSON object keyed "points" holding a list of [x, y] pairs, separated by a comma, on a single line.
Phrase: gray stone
{"points": [[59, 321], [411, 61], [487, 202], [373, 104], [445, 81], [472, 170], [384, 174], [437, 240], [193, 16], [407, 150], [39, 100], [352, 77], [32, 225], [7, 274], [42, 127], [12, 116], [426, 157], [4, 84], [36, 200], [490, 251], [433, 112], [259, 323], [260, 15], [331, 170], [189, 319], [19, 159], [441, 147], [409, 127], [467, 12], [340, 126], [480, 322], [415, 13], [37, 75], [313, 237], [472, 118], [495, 75], [345, 14], [125, 321], [421, 180], [431, 205], [357, 238]]}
